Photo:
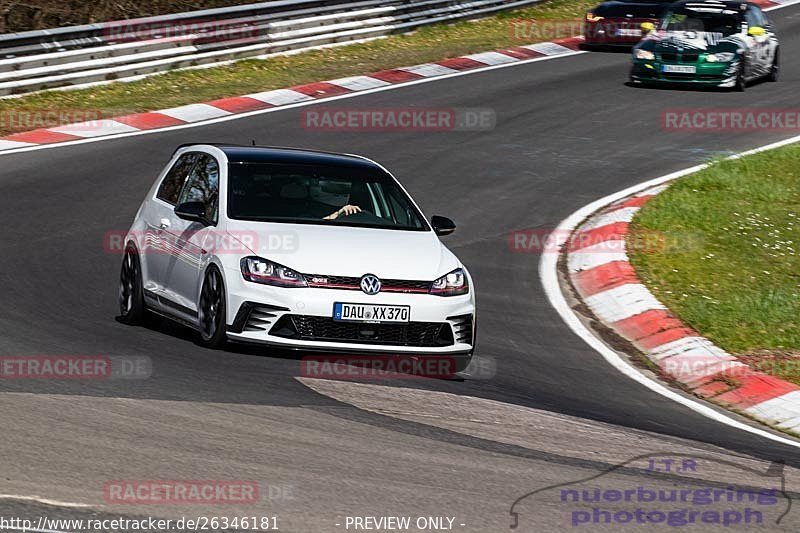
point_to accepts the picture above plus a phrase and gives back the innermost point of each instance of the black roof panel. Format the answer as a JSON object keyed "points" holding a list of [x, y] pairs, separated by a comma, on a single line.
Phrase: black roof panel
{"points": [[292, 156]]}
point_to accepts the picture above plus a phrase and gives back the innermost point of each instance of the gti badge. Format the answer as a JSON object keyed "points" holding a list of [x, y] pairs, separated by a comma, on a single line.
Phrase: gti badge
{"points": [[370, 284]]}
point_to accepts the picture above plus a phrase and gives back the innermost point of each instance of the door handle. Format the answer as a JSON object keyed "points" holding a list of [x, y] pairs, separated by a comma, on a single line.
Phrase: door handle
{"points": [[164, 223]]}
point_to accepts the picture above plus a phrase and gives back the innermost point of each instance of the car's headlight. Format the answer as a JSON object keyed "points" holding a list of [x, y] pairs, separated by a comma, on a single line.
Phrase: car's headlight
{"points": [[641, 53], [260, 270], [451, 284], [720, 57]]}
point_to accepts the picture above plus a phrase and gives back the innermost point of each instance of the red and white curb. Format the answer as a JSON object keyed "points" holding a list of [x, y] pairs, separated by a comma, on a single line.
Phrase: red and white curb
{"points": [[599, 269], [228, 107]]}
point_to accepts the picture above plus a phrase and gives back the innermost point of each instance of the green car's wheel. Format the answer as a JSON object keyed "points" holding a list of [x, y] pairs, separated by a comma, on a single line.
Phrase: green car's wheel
{"points": [[741, 83], [775, 70]]}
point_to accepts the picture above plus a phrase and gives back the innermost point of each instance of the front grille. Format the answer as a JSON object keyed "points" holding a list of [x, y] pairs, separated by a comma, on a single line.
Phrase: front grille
{"points": [[317, 328], [351, 283], [674, 57]]}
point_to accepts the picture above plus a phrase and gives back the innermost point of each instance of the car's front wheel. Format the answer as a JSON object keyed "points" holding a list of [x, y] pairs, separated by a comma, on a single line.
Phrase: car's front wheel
{"points": [[131, 294], [211, 310], [741, 82], [775, 69]]}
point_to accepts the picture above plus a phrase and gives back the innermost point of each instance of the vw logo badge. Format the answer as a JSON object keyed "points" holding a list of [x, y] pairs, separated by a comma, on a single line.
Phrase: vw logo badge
{"points": [[370, 284]]}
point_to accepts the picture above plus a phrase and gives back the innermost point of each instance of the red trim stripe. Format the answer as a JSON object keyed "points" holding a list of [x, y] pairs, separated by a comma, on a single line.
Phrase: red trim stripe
{"points": [[635, 201], [321, 89], [41, 137], [239, 104], [616, 231], [396, 76], [149, 121], [460, 63], [521, 53], [646, 324], [754, 388], [605, 277]]}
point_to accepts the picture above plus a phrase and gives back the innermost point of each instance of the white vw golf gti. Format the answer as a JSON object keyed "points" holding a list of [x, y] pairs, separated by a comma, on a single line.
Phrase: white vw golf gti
{"points": [[298, 249]]}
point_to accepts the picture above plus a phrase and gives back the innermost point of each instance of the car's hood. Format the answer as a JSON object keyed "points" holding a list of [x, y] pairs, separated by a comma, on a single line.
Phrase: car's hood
{"points": [[348, 251], [693, 41]]}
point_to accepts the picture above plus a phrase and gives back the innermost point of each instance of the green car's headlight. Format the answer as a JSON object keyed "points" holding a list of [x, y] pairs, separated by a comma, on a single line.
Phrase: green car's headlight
{"points": [[721, 57], [647, 55]]}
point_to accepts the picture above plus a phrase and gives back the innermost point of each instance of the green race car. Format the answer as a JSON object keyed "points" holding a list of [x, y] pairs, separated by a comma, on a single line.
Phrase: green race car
{"points": [[713, 43]]}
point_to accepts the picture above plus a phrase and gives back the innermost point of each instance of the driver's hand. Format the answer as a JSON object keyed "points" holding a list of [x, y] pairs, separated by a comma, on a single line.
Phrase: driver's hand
{"points": [[344, 211]]}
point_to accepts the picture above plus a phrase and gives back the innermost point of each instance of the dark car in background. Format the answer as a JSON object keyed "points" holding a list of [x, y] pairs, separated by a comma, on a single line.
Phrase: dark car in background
{"points": [[619, 22]]}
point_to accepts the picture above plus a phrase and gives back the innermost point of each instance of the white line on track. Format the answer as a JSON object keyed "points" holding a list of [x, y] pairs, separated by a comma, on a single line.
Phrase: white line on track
{"points": [[548, 272]]}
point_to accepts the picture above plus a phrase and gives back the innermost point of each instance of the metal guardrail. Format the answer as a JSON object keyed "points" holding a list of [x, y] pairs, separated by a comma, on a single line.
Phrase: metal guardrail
{"points": [[99, 53]]}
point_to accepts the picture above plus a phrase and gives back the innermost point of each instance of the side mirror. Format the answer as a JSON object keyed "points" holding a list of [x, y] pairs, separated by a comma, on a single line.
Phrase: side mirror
{"points": [[192, 211], [756, 31], [442, 225], [647, 27]]}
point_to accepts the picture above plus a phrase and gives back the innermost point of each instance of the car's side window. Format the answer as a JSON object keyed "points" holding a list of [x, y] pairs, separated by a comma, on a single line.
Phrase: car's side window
{"points": [[173, 182], [203, 186]]}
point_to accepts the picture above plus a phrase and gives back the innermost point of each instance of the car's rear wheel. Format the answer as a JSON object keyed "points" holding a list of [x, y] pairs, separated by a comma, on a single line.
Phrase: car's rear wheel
{"points": [[131, 294], [775, 70], [211, 310]]}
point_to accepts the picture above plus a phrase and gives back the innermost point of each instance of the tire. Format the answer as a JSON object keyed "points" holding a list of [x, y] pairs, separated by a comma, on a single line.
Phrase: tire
{"points": [[775, 69], [131, 293], [741, 83], [211, 311]]}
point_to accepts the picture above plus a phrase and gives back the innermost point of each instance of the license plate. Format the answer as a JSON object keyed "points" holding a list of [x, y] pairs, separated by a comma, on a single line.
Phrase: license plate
{"points": [[371, 313], [682, 69], [629, 32]]}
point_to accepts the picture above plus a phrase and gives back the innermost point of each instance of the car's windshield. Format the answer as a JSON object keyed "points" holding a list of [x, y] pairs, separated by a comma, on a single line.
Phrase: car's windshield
{"points": [[307, 194], [707, 20]]}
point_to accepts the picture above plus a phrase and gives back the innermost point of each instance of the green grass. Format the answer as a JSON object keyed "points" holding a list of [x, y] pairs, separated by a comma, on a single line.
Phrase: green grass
{"points": [[732, 269], [183, 87]]}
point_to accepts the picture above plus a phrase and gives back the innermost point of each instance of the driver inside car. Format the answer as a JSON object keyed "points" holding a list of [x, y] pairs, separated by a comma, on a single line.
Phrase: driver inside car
{"points": [[343, 211]]}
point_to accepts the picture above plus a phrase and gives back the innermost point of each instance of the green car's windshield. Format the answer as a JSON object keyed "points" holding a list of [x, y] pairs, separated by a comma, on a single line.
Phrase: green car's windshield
{"points": [[720, 21]]}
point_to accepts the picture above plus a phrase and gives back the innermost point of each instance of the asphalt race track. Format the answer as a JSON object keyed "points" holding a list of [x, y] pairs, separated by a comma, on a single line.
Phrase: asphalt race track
{"points": [[568, 132]]}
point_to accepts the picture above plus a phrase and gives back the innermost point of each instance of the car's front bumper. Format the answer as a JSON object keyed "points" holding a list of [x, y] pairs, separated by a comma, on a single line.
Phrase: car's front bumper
{"points": [[302, 319], [706, 74]]}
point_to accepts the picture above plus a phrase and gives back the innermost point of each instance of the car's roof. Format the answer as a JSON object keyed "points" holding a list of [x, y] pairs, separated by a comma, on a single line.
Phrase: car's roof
{"points": [[282, 155], [725, 4]]}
